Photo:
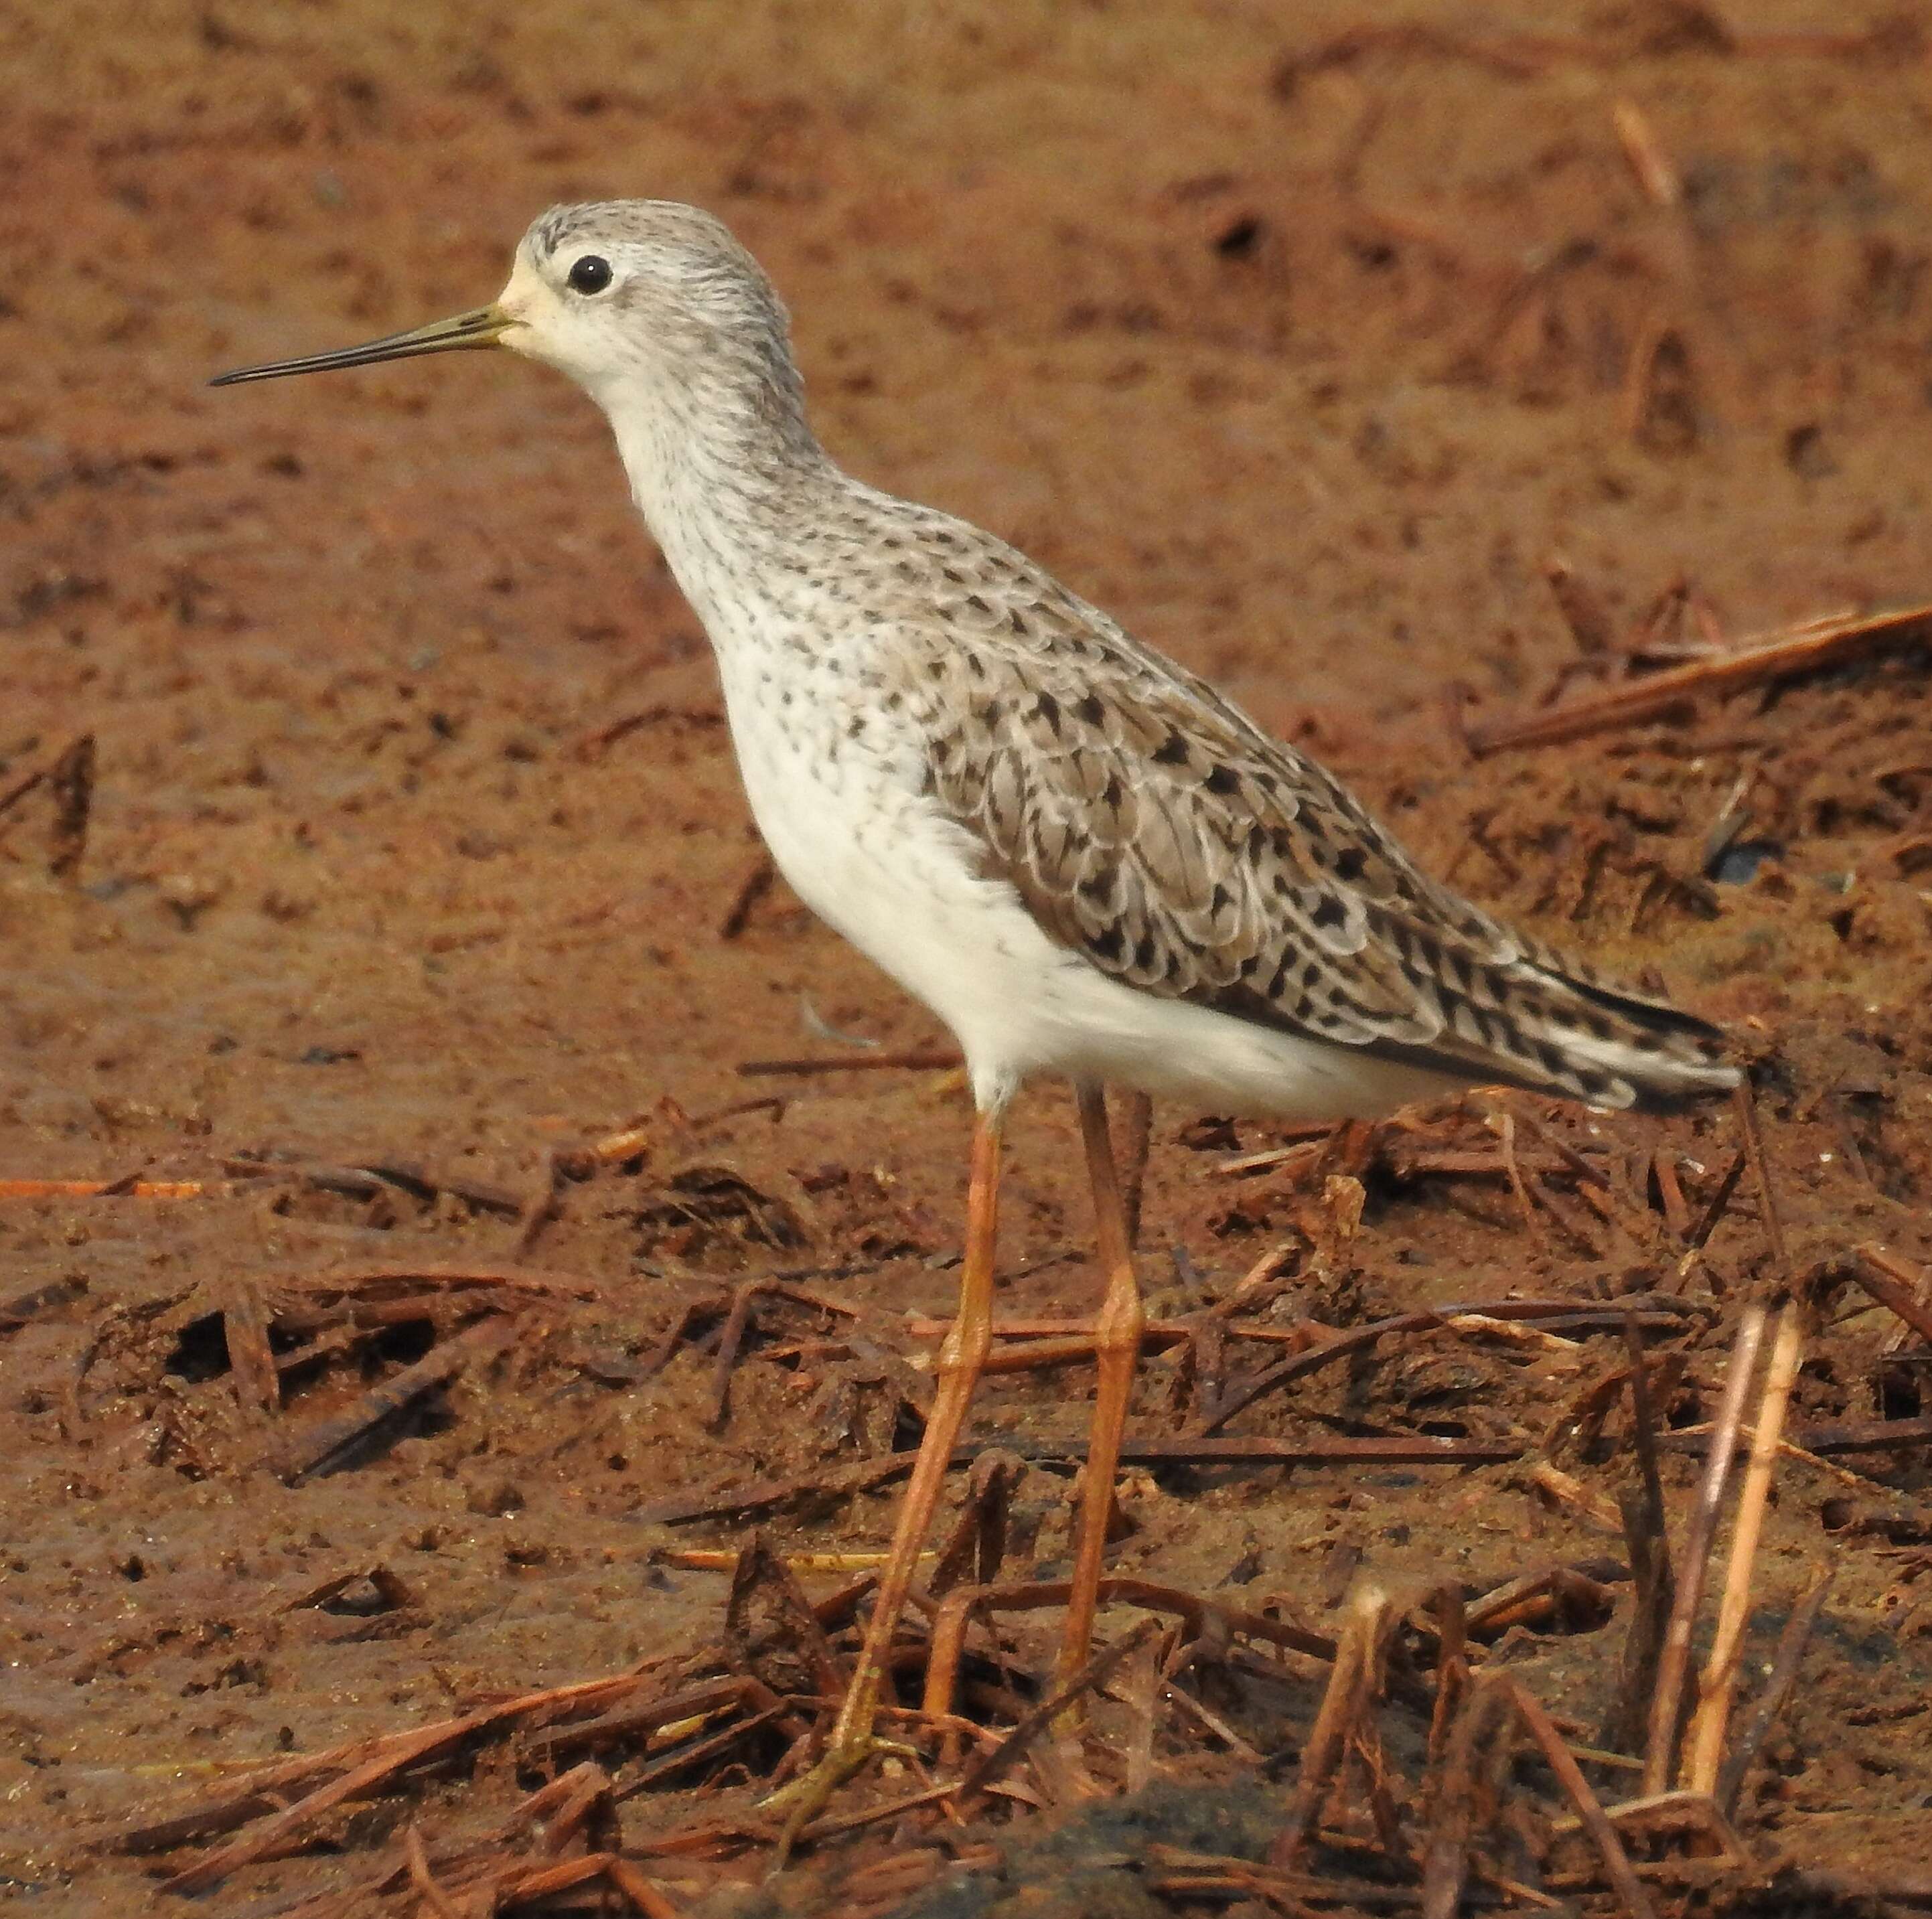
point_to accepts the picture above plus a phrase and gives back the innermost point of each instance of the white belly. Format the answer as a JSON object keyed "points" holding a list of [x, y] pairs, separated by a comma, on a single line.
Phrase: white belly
{"points": [[886, 869]]}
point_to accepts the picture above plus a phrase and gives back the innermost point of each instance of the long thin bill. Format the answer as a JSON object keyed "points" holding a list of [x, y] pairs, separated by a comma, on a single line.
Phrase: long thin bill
{"points": [[482, 328]]}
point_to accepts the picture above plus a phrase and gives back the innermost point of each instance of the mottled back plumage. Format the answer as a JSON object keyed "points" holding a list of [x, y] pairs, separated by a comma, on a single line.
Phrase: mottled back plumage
{"points": [[1151, 826]]}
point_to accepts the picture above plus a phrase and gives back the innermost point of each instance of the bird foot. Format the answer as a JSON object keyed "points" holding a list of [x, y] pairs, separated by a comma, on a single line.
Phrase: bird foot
{"points": [[802, 1800]]}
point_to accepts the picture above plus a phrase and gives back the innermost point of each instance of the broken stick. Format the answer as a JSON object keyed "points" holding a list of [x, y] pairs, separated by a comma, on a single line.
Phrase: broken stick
{"points": [[1719, 1680], [1665, 1705], [1777, 656]]}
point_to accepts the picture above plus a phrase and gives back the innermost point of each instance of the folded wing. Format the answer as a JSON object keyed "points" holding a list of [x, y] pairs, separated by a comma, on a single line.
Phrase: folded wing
{"points": [[1150, 826]]}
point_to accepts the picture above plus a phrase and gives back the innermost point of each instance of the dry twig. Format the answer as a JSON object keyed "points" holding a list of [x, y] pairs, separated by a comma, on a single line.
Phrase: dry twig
{"points": [[103, 1188], [1646, 1534], [1647, 160], [244, 1326], [1895, 1286], [1719, 1678], [955, 1613], [1665, 1704], [1777, 656], [1582, 612], [1719, 1203], [918, 1058], [1351, 1685], [1629, 1889], [71, 776], [303, 1452], [731, 1502], [1406, 1449], [989, 1766], [1570, 1315], [759, 879], [1456, 1801], [1746, 1108]]}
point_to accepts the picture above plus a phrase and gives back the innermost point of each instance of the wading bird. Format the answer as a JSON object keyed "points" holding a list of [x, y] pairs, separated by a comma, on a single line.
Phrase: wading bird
{"points": [[1086, 861]]}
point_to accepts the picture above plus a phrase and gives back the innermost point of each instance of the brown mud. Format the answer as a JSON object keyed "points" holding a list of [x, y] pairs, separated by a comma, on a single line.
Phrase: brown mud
{"points": [[400, 876]]}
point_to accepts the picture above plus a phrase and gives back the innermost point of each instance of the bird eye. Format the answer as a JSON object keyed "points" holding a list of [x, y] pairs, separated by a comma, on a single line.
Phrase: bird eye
{"points": [[590, 275]]}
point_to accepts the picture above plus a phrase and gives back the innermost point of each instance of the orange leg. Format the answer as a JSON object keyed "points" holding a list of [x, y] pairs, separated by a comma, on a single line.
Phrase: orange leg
{"points": [[961, 1359], [1117, 1346]]}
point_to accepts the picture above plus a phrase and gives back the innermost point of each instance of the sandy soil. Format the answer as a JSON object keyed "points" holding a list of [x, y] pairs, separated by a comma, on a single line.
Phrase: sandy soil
{"points": [[415, 827]]}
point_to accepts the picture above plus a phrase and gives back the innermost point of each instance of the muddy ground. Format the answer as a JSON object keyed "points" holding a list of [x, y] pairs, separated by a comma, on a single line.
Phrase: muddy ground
{"points": [[1301, 343]]}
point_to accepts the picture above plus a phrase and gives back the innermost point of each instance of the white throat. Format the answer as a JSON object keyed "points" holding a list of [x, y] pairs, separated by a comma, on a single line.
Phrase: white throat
{"points": [[723, 472]]}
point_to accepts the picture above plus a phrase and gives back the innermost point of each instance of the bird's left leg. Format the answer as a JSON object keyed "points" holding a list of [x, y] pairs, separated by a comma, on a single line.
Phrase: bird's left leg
{"points": [[961, 1360], [1117, 1347]]}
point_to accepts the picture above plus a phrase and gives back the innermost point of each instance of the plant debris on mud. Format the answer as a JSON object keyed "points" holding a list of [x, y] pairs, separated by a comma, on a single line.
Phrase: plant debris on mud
{"points": [[473, 1250]]}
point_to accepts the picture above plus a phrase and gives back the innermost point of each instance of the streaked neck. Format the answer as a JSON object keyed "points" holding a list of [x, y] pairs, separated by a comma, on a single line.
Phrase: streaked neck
{"points": [[726, 470]]}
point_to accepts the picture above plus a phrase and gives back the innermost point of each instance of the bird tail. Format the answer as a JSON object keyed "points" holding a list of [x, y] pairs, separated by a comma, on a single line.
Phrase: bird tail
{"points": [[1620, 1046]]}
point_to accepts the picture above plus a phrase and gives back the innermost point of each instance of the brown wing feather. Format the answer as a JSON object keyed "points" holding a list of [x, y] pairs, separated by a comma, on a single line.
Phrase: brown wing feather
{"points": [[1151, 826]]}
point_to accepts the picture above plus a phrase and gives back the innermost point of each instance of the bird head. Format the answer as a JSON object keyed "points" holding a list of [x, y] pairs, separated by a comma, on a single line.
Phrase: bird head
{"points": [[612, 292]]}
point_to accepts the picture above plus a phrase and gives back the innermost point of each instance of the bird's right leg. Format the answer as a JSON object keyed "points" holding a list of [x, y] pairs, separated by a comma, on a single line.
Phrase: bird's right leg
{"points": [[961, 1358], [1116, 1348]]}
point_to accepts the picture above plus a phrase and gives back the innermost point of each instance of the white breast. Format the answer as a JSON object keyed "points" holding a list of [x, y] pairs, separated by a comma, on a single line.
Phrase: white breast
{"points": [[855, 839], [881, 865]]}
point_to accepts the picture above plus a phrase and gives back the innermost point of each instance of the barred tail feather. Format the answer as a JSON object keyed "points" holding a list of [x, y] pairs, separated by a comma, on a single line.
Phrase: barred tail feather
{"points": [[1645, 1052]]}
